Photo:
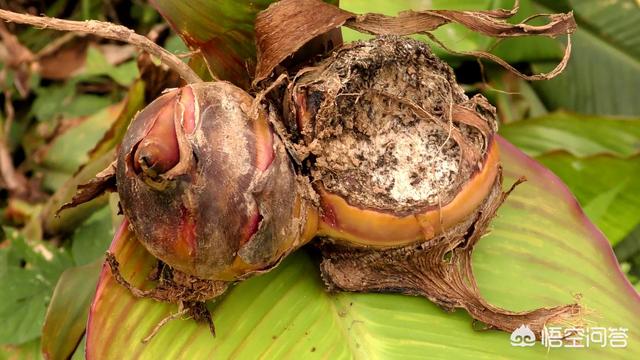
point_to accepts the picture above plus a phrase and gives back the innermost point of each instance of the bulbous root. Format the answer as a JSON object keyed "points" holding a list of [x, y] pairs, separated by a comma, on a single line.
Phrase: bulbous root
{"points": [[175, 287], [439, 269]]}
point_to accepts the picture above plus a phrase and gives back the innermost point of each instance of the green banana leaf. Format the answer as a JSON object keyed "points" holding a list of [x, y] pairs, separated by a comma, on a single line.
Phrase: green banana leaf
{"points": [[608, 187], [541, 251], [596, 156], [580, 135], [603, 75]]}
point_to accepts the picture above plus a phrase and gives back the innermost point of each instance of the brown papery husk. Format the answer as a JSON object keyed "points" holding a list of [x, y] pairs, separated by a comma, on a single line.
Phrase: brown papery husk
{"points": [[287, 25]]}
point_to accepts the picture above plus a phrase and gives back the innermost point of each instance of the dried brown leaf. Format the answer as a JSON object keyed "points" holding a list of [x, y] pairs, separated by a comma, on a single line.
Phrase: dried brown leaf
{"points": [[103, 182], [64, 62], [287, 25]]}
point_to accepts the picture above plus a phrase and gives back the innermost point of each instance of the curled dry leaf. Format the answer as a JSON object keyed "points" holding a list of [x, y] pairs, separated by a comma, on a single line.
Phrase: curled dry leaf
{"points": [[289, 24], [103, 182]]}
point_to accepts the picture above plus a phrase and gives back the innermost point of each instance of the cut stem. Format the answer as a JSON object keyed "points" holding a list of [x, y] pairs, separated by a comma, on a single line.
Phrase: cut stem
{"points": [[107, 30]]}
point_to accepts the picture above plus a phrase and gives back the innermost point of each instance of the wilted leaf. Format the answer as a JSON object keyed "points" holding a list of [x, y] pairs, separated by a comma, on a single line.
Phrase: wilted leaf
{"points": [[65, 62], [462, 39], [455, 36], [541, 252], [287, 25], [528, 48]]}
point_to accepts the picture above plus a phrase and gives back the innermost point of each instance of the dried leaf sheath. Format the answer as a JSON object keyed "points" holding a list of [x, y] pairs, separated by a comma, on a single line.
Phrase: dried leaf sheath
{"points": [[289, 24], [440, 270]]}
